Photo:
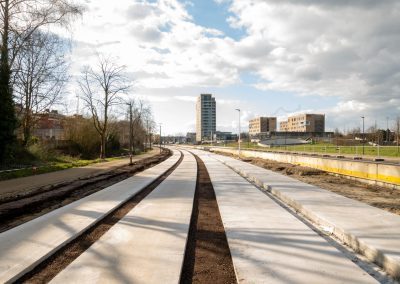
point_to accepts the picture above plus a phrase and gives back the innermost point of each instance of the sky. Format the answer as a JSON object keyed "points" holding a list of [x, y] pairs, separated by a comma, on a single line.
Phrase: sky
{"points": [[269, 58]]}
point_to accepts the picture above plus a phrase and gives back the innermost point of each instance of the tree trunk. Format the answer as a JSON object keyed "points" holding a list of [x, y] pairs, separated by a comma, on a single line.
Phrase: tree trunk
{"points": [[27, 126], [27, 135], [8, 120], [103, 146]]}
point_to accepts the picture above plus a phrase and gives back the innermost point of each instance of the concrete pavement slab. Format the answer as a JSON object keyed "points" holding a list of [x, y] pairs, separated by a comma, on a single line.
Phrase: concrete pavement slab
{"points": [[270, 245], [368, 230], [148, 244], [23, 247]]}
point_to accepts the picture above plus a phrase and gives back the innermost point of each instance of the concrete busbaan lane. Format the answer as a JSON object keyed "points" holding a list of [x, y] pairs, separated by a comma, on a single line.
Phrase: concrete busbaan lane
{"points": [[148, 244], [368, 230], [270, 245], [24, 247]]}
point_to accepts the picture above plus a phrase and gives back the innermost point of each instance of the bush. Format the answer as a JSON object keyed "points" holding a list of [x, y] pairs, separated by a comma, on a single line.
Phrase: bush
{"points": [[17, 155], [42, 152]]}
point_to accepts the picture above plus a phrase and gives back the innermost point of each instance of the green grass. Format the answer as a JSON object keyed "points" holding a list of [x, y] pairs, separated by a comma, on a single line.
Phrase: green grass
{"points": [[63, 163], [384, 151]]}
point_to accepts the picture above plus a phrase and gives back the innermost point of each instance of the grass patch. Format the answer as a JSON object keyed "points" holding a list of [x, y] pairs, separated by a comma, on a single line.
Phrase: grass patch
{"points": [[65, 162], [325, 148]]}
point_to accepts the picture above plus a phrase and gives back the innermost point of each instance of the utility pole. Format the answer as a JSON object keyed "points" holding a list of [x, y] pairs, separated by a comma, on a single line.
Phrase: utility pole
{"points": [[239, 133], [387, 130], [77, 104], [363, 135], [147, 134], [160, 138], [398, 130], [150, 136], [130, 133]]}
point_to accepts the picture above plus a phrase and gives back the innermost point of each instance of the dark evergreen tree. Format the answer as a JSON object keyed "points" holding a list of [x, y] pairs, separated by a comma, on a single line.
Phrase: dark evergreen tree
{"points": [[8, 121]]}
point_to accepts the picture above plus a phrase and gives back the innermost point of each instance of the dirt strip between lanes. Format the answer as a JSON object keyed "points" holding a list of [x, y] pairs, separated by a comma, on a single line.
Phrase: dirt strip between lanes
{"points": [[50, 267], [207, 257], [18, 210]]}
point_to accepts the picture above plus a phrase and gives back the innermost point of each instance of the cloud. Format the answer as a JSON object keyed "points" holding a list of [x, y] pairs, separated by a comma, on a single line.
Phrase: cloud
{"points": [[330, 48], [346, 49], [186, 98]]}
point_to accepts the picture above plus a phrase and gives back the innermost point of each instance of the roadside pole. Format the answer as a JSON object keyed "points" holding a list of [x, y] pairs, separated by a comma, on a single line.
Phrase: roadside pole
{"points": [[160, 138], [239, 134], [130, 134]]}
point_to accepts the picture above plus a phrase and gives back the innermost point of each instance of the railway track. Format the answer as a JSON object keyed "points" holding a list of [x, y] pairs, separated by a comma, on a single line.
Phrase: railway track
{"points": [[191, 218]]}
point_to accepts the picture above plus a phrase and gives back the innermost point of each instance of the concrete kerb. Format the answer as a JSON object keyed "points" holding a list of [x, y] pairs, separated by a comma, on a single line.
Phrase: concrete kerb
{"points": [[389, 264]]}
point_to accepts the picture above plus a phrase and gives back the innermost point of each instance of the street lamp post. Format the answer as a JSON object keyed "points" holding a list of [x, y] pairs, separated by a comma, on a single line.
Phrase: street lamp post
{"points": [[130, 133], [160, 138], [239, 133], [387, 131], [363, 135], [147, 135]]}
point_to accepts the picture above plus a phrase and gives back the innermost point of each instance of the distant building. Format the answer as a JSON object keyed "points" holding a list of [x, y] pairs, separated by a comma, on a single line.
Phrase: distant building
{"points": [[177, 139], [49, 125], [191, 137], [304, 123], [262, 124], [225, 136], [283, 125], [205, 117]]}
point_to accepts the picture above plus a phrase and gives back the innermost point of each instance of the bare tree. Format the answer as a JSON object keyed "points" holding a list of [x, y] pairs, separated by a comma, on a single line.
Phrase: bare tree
{"points": [[41, 77], [138, 112], [19, 20], [101, 90], [148, 122]]}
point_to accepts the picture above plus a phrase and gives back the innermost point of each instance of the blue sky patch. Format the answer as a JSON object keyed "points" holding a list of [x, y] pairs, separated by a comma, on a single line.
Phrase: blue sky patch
{"points": [[209, 14]]}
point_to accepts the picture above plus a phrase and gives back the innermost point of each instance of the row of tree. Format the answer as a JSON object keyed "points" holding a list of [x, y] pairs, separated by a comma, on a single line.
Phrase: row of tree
{"points": [[373, 133], [34, 73], [22, 27]]}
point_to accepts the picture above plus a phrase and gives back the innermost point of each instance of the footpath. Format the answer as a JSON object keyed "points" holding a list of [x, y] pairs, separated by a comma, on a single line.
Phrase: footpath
{"points": [[19, 185]]}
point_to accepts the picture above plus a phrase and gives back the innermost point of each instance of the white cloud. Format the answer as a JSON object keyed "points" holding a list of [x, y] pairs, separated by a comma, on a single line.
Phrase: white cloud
{"points": [[328, 48], [153, 38], [343, 49], [186, 98]]}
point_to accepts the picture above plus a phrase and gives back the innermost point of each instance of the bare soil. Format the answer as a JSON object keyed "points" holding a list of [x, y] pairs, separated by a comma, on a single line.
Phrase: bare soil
{"points": [[49, 268], [15, 210], [377, 196], [207, 257]]}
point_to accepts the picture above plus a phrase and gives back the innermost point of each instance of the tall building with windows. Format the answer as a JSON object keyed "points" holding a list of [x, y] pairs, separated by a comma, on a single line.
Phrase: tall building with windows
{"points": [[205, 117]]}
